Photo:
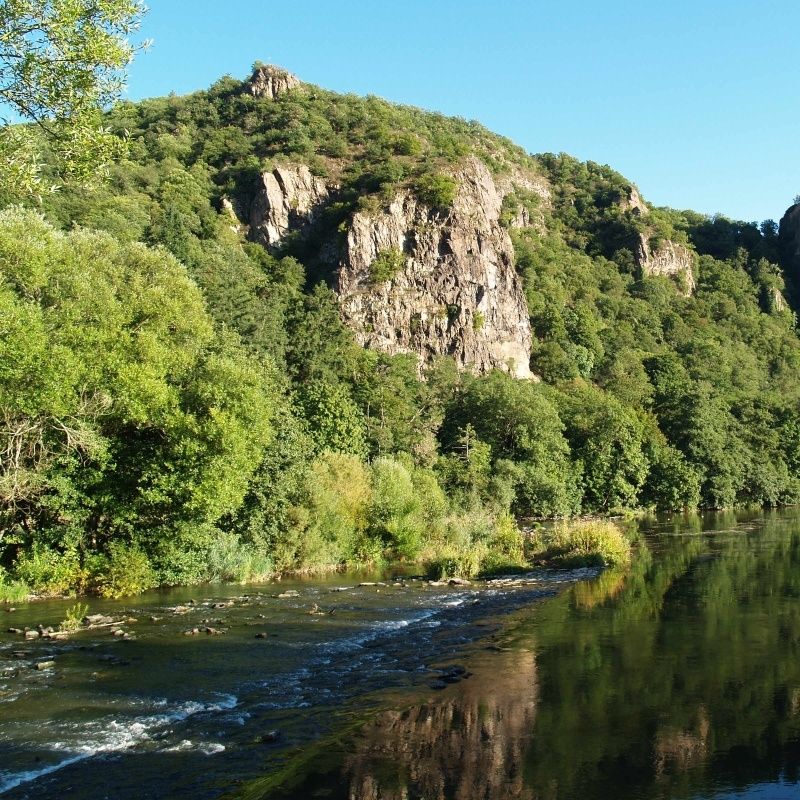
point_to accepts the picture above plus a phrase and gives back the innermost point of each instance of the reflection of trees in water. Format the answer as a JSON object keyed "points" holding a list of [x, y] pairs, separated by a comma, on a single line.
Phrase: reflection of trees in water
{"points": [[672, 680], [685, 679], [681, 749], [467, 744]]}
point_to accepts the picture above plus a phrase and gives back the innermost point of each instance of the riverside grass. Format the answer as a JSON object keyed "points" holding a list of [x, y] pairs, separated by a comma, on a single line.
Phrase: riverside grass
{"points": [[567, 544], [582, 543]]}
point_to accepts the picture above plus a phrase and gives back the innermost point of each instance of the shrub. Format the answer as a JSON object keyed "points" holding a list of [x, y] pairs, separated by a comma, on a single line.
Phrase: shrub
{"points": [[332, 516], [396, 514], [50, 572], [12, 591], [74, 618], [587, 543], [230, 559], [436, 190], [126, 571], [386, 265]]}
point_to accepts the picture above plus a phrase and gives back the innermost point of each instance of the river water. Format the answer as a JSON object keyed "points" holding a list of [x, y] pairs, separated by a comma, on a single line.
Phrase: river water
{"points": [[679, 678]]}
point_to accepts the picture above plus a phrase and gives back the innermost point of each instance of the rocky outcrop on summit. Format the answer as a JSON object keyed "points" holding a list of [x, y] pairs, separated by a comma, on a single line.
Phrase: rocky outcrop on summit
{"points": [[447, 283], [667, 258], [271, 81], [286, 200]]}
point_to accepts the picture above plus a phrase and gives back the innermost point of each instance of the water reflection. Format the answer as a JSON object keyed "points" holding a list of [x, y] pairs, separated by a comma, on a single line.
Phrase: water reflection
{"points": [[677, 679], [470, 743]]}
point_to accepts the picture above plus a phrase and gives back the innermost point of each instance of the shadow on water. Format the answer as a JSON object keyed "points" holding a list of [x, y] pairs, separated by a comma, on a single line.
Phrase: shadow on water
{"points": [[679, 679]]}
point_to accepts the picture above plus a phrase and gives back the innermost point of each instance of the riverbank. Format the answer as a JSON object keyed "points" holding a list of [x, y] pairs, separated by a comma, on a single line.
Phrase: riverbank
{"points": [[568, 544]]}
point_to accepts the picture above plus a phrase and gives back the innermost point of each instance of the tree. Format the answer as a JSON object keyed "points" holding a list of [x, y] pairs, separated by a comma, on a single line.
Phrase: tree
{"points": [[61, 63]]}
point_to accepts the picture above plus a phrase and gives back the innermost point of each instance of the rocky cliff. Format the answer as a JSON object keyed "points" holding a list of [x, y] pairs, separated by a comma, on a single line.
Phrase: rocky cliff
{"points": [[667, 258], [286, 200], [450, 287], [663, 257], [789, 239], [414, 279]]}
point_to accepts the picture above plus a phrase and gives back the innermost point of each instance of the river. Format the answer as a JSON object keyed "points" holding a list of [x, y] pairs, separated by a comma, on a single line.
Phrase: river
{"points": [[679, 678]]}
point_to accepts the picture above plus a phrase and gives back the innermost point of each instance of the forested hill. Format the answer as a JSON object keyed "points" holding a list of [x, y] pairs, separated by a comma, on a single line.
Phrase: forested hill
{"points": [[297, 328]]}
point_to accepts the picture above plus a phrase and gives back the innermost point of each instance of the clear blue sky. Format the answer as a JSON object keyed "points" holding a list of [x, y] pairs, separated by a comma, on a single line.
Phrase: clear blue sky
{"points": [[696, 102]]}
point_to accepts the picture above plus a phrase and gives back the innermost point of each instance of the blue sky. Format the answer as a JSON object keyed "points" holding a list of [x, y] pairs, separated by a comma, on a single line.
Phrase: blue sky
{"points": [[695, 102]]}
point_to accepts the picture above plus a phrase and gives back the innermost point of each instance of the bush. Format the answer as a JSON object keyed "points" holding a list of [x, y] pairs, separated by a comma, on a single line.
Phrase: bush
{"points": [[126, 571], [436, 190], [386, 265], [12, 591], [230, 559], [332, 517], [49, 572], [74, 618], [588, 543], [396, 514]]}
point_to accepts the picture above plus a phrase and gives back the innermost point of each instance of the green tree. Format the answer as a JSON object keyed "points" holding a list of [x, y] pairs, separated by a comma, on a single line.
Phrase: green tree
{"points": [[61, 63]]}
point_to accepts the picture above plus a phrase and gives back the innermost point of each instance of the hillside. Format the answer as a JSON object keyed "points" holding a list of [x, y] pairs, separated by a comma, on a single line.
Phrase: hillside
{"points": [[297, 329]]}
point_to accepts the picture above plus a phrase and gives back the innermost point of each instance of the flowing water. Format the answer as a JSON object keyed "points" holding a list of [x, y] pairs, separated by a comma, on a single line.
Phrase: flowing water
{"points": [[679, 678]]}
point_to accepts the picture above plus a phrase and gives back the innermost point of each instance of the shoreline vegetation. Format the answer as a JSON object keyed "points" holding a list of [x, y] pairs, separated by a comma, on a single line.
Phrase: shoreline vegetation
{"points": [[581, 543], [180, 404]]}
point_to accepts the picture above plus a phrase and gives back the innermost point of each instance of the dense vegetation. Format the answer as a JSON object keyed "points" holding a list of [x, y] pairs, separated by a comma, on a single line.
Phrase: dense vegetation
{"points": [[180, 405]]}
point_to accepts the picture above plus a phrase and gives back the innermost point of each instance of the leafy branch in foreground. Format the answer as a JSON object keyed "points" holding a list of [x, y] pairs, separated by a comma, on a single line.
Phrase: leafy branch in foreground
{"points": [[62, 62]]}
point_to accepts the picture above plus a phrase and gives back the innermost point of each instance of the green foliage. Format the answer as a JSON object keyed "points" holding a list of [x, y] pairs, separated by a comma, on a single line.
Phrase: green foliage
{"points": [[386, 265], [74, 617], [61, 64], [230, 559], [589, 543], [436, 190], [126, 571], [179, 405], [12, 591]]}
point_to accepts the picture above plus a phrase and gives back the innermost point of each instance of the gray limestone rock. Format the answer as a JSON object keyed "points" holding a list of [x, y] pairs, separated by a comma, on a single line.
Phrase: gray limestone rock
{"points": [[271, 81], [286, 200], [454, 291], [667, 258]]}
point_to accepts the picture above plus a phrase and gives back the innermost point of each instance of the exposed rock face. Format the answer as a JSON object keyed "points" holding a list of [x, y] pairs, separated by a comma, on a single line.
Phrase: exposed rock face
{"points": [[454, 289], [634, 203], [286, 200], [789, 239], [271, 81], [670, 259]]}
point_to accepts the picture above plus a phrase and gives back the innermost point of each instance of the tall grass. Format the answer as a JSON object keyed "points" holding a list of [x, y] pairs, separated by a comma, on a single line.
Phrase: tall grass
{"points": [[584, 543]]}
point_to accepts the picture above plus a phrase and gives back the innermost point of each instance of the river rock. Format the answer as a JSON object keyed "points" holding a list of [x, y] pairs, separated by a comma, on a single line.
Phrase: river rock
{"points": [[32, 635], [42, 665], [261, 635], [98, 619], [16, 630], [288, 593], [269, 737]]}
